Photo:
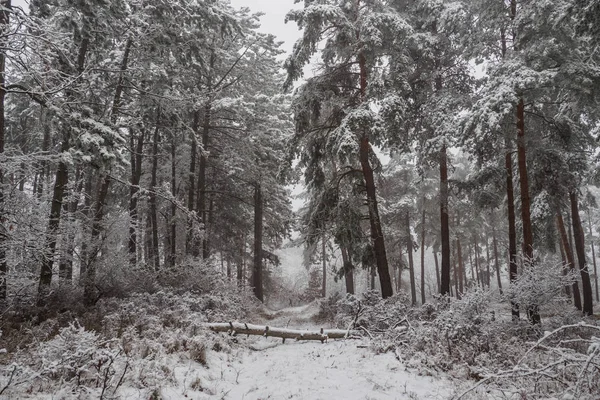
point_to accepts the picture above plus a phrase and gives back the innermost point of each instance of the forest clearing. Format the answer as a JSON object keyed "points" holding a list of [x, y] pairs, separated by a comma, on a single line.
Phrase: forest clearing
{"points": [[392, 199]]}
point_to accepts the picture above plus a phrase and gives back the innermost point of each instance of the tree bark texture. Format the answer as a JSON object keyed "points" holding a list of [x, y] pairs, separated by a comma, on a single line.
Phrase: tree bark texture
{"points": [[152, 201], [586, 284], [512, 229], [570, 260], [496, 261], [593, 256], [411, 265], [190, 248], [4, 26], [324, 255], [173, 217], [445, 223], [90, 293], [348, 270], [134, 190], [423, 254], [257, 273], [237, 328], [374, 219]]}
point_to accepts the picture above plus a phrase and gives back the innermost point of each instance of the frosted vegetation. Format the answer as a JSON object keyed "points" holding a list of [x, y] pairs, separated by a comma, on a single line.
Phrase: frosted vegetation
{"points": [[442, 157]]}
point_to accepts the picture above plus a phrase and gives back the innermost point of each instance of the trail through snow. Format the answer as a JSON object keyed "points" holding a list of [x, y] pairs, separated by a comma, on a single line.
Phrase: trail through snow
{"points": [[338, 369]]}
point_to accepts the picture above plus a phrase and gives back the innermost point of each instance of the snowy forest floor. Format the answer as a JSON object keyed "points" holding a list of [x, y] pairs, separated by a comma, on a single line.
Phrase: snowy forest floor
{"points": [[266, 368]]}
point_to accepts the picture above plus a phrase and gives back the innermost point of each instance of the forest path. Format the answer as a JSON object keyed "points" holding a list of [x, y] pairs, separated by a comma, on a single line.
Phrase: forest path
{"points": [[338, 369]]}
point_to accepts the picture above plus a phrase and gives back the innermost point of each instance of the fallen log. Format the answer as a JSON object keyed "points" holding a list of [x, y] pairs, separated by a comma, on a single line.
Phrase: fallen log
{"points": [[238, 328]]}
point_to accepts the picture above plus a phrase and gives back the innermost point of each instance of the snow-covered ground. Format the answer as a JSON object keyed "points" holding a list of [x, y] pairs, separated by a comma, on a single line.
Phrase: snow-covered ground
{"points": [[266, 368]]}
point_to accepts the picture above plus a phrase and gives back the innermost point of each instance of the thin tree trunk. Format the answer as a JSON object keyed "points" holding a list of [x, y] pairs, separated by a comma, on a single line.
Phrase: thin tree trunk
{"points": [[533, 311], [473, 279], [445, 227], [202, 172], [152, 201], [348, 270], [240, 266], [487, 260], [173, 217], [461, 267], [593, 254], [190, 248], [87, 212], [4, 26], [324, 255], [134, 189], [65, 266], [257, 275], [586, 284], [411, 266], [60, 184], [565, 268], [455, 273], [90, 293], [423, 255], [512, 229], [437, 269], [496, 261], [374, 219], [569, 254], [476, 247]]}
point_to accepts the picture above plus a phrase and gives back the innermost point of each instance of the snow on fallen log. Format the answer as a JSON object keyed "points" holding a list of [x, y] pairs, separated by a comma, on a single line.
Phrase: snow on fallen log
{"points": [[238, 328]]}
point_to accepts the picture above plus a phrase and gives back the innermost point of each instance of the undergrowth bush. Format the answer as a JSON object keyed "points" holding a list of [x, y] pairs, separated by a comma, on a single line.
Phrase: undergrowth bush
{"points": [[131, 339]]}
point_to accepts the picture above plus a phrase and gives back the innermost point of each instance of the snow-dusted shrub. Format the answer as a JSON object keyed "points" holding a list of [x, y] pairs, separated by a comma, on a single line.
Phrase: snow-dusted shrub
{"points": [[75, 360], [541, 284], [562, 364], [328, 308], [371, 313]]}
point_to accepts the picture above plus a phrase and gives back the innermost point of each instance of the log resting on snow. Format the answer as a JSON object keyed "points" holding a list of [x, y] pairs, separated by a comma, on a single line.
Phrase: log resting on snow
{"points": [[238, 328]]}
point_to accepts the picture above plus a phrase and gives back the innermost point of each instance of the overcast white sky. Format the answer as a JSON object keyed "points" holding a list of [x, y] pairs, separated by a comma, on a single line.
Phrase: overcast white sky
{"points": [[274, 19]]}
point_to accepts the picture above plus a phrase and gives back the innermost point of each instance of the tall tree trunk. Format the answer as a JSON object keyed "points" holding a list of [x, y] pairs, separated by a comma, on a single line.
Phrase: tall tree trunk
{"points": [[86, 217], [65, 266], [411, 266], [324, 255], [257, 273], [423, 255], [60, 184], [90, 293], [173, 217], [496, 261], [44, 165], [190, 248], [473, 278], [348, 270], [445, 224], [4, 26], [134, 189], [202, 172], [374, 219], [461, 267], [586, 284], [593, 254], [152, 200], [570, 260], [512, 228], [437, 269], [565, 265], [240, 266], [477, 269], [455, 273], [533, 311], [487, 260]]}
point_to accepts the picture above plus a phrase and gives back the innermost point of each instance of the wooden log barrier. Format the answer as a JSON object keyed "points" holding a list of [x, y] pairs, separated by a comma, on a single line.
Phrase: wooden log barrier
{"points": [[238, 328]]}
